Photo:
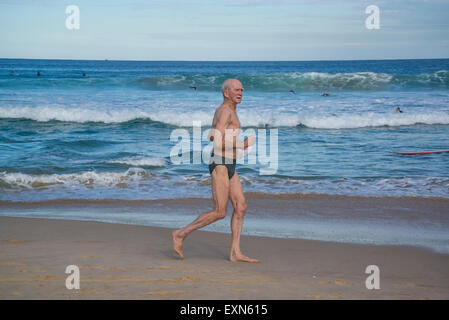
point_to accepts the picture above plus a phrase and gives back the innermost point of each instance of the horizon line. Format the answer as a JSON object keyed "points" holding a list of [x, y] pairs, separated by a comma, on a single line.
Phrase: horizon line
{"points": [[317, 60]]}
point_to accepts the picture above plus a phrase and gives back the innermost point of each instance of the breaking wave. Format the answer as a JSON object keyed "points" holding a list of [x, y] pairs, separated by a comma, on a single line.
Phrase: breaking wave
{"points": [[261, 118]]}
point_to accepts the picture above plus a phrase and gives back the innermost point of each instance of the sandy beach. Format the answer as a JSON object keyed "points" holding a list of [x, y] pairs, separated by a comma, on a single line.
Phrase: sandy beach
{"points": [[116, 121], [137, 262]]}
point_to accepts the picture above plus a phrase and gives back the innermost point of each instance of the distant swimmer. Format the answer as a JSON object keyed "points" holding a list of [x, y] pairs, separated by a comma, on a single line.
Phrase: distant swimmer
{"points": [[326, 94], [84, 74], [194, 88], [398, 110], [38, 74], [11, 73], [292, 91]]}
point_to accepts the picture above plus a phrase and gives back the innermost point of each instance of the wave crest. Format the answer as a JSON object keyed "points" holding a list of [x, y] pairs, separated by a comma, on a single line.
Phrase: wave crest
{"points": [[271, 82], [307, 81], [89, 179], [141, 161], [250, 118]]}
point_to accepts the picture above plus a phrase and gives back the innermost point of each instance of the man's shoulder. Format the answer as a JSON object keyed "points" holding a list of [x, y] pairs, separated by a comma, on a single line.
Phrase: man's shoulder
{"points": [[223, 111], [222, 115]]}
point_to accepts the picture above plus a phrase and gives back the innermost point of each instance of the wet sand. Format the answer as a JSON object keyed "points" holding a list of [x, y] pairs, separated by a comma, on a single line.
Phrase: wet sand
{"points": [[412, 221], [137, 262]]}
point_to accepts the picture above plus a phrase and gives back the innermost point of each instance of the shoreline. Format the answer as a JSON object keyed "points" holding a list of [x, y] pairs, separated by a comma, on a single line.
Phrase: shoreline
{"points": [[137, 262], [420, 222], [248, 195]]}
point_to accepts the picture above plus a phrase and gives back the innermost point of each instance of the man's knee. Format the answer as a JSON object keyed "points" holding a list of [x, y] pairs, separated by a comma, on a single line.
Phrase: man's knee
{"points": [[220, 213], [240, 207]]}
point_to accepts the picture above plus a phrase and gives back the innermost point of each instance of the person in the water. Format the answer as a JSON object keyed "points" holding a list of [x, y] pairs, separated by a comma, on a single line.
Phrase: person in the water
{"points": [[398, 110]]}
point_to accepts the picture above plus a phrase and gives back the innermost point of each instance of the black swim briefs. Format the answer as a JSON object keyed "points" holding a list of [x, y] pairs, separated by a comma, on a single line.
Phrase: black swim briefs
{"points": [[219, 160]]}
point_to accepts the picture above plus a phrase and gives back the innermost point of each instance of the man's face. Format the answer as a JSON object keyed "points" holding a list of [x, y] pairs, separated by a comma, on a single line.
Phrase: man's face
{"points": [[235, 92]]}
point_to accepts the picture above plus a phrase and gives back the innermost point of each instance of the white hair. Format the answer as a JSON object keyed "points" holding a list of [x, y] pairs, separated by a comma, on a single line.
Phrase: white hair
{"points": [[226, 84]]}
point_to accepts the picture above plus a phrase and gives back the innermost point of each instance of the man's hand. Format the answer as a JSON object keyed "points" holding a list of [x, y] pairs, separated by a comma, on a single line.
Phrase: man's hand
{"points": [[250, 141], [247, 144]]}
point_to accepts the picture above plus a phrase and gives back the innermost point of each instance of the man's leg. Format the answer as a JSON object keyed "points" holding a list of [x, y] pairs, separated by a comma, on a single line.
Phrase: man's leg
{"points": [[220, 195], [239, 203]]}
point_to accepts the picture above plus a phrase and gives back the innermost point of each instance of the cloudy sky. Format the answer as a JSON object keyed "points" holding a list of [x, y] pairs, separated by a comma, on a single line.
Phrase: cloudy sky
{"points": [[224, 29]]}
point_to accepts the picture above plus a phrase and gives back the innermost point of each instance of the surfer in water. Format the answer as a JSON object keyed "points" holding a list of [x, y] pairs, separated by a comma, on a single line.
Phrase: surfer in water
{"points": [[398, 110], [225, 180]]}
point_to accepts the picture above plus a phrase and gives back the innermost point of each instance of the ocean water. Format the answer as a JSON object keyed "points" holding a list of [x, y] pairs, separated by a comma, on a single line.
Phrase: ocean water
{"points": [[107, 134], [116, 133]]}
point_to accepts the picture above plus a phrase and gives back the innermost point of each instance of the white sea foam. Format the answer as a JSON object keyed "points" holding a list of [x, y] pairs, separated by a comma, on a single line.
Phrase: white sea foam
{"points": [[61, 113], [371, 119], [145, 184], [140, 161], [403, 186], [18, 180], [249, 117], [183, 119]]}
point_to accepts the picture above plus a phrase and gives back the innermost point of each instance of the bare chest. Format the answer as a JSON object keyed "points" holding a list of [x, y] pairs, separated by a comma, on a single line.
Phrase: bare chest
{"points": [[234, 123]]}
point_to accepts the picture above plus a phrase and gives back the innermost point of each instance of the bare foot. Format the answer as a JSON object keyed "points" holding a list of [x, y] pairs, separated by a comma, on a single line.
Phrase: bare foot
{"points": [[238, 257], [177, 243]]}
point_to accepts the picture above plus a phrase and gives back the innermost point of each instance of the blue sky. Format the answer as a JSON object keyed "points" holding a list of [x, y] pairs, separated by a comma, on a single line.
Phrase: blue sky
{"points": [[224, 30]]}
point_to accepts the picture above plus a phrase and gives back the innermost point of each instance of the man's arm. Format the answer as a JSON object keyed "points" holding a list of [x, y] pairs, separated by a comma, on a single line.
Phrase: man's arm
{"points": [[218, 134], [226, 139]]}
